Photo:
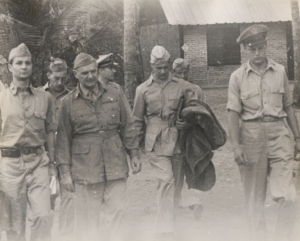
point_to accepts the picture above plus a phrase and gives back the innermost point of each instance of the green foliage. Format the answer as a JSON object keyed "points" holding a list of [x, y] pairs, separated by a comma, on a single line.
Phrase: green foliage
{"points": [[61, 28]]}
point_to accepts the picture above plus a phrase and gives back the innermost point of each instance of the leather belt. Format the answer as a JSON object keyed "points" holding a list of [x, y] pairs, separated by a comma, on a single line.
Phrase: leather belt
{"points": [[159, 122], [265, 119], [99, 134], [15, 153]]}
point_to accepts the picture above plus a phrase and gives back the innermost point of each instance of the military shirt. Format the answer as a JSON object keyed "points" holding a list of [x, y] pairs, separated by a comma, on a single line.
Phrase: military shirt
{"points": [[253, 95], [56, 102], [159, 103], [26, 117], [91, 157]]}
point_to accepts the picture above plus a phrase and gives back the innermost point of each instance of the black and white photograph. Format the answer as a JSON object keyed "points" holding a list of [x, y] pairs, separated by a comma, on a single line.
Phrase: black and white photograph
{"points": [[149, 120]]}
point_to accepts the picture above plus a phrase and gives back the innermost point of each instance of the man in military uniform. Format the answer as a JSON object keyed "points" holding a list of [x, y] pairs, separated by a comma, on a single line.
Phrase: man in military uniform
{"points": [[25, 168], [259, 96], [107, 68], [181, 69], [56, 87], [158, 100], [94, 133]]}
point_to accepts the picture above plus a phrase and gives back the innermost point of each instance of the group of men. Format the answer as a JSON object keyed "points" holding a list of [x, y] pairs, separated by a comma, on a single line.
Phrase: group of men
{"points": [[84, 137]]}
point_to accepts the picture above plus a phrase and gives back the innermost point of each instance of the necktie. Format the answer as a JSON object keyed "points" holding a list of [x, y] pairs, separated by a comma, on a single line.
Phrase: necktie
{"points": [[92, 95]]}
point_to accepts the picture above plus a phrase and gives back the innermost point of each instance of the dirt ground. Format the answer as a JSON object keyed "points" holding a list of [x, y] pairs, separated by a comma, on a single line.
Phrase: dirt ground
{"points": [[223, 217]]}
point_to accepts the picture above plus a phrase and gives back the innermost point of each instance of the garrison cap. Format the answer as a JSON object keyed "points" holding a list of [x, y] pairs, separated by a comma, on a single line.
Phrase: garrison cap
{"points": [[20, 51], [57, 65], [106, 60], [253, 35], [83, 59], [158, 54], [181, 64], [2, 60]]}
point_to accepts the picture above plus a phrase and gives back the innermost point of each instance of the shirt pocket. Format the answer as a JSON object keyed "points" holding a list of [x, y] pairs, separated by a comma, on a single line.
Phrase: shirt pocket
{"points": [[38, 120], [150, 138], [80, 148], [83, 119], [153, 100], [276, 96], [112, 111], [251, 98], [173, 98]]}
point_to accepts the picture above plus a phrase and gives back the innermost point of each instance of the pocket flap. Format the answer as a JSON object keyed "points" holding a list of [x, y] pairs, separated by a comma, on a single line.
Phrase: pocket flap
{"points": [[276, 89], [80, 148], [172, 95], [154, 129], [40, 114], [246, 94]]}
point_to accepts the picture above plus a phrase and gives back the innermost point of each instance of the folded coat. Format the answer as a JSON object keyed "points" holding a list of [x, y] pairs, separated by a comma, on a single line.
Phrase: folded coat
{"points": [[197, 143]]}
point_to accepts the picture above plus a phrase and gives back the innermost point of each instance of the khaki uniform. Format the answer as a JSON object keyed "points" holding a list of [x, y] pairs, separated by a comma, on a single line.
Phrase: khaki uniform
{"points": [[268, 146], [159, 103], [66, 210], [26, 117], [93, 138]]}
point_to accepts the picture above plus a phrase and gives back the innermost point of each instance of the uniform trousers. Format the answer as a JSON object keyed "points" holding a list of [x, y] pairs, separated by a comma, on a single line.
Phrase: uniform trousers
{"points": [[66, 215], [183, 196], [100, 210], [167, 200], [26, 180], [268, 149]]}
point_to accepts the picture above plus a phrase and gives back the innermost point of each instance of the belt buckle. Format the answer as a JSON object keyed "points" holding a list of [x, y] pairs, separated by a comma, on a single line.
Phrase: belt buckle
{"points": [[26, 151]]}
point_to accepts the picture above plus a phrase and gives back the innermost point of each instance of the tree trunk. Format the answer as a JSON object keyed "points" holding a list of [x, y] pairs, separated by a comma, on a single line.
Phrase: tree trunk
{"points": [[296, 43], [132, 63]]}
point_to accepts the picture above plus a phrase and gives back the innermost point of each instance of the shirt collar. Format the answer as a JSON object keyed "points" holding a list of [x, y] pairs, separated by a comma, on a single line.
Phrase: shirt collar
{"points": [[46, 87], [83, 92], [152, 78], [270, 65], [14, 89]]}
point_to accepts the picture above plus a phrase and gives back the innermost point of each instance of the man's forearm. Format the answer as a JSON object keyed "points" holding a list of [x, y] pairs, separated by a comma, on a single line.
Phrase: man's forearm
{"points": [[234, 130], [292, 121], [50, 145]]}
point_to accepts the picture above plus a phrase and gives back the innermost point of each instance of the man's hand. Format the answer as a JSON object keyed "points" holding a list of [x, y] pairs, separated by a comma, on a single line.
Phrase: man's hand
{"points": [[183, 125], [66, 182], [52, 170], [135, 164], [239, 156]]}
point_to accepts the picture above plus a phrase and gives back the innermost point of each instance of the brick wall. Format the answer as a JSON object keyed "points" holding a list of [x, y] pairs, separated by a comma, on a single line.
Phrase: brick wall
{"points": [[161, 34], [212, 76]]}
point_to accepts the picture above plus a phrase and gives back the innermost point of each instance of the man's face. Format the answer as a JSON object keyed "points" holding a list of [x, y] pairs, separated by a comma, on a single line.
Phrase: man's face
{"points": [[21, 67], [58, 80], [183, 74], [87, 75], [107, 72], [161, 71], [257, 53]]}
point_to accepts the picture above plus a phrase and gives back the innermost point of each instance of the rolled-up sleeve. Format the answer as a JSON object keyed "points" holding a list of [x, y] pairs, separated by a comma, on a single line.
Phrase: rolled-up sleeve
{"points": [[128, 132], [138, 113], [49, 124], [234, 100], [64, 135]]}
